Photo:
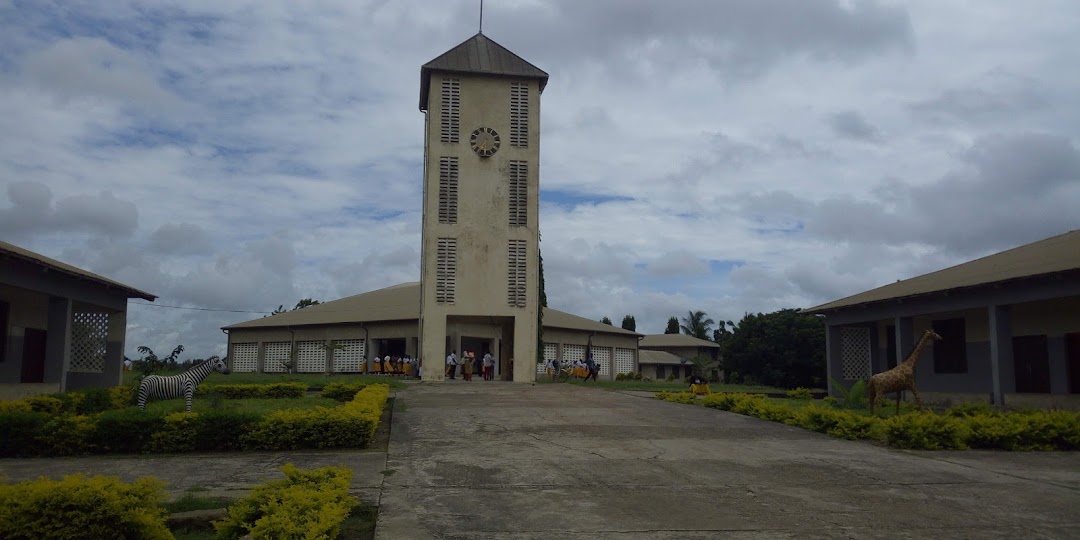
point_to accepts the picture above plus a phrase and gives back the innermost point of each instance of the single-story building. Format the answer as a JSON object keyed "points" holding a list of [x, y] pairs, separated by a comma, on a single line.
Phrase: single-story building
{"points": [[61, 327], [345, 335], [1010, 324], [662, 355]]}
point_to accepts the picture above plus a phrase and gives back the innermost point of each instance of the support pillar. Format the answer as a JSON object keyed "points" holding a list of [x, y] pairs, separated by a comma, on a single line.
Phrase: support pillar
{"points": [[1001, 354], [832, 356], [433, 348], [114, 348], [905, 338], [58, 341]]}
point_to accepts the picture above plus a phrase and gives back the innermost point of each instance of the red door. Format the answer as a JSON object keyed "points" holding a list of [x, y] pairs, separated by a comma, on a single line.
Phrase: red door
{"points": [[33, 357]]}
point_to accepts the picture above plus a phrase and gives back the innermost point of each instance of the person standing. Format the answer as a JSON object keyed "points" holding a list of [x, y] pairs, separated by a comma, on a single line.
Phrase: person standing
{"points": [[591, 367], [451, 364], [489, 366], [555, 369], [467, 366]]}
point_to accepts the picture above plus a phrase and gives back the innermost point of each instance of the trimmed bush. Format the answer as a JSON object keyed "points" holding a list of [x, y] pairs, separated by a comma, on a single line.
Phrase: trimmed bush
{"points": [[125, 430], [677, 397], [351, 425], [800, 393], [306, 504], [836, 423], [926, 431], [265, 391], [18, 431], [15, 405], [342, 392], [65, 435], [78, 507]]}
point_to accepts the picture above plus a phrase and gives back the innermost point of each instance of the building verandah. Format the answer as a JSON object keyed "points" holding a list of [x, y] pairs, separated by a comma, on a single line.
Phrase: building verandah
{"points": [[1002, 352]]}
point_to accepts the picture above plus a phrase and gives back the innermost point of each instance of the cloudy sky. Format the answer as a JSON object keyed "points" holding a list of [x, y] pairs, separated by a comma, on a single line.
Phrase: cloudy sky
{"points": [[731, 156]]}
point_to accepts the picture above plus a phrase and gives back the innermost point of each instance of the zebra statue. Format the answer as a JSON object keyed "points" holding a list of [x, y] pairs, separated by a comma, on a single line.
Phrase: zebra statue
{"points": [[184, 384]]}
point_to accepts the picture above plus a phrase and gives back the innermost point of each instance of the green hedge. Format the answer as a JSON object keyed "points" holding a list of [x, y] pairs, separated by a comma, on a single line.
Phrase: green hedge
{"points": [[243, 391], [342, 391], [963, 426], [25, 432], [78, 507], [305, 504]]}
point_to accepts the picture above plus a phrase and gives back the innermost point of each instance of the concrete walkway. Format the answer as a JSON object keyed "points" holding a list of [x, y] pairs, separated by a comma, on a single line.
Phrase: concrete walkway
{"points": [[491, 460], [509, 461]]}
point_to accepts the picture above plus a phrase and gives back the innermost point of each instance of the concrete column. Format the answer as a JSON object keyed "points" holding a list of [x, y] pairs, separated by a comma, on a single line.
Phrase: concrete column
{"points": [[1059, 370], [58, 341], [524, 349], [611, 368], [329, 356], [114, 348], [496, 349], [832, 356], [434, 349], [1001, 355], [905, 338], [260, 361]]}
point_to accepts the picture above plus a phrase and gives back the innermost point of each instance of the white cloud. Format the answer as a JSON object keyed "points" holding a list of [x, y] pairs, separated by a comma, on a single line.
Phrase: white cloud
{"points": [[240, 156]]}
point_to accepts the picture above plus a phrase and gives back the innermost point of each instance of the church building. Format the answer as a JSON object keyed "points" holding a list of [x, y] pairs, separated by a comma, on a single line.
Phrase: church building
{"points": [[479, 283]]}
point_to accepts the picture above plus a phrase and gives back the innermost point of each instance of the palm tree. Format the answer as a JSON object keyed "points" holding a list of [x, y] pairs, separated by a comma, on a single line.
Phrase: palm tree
{"points": [[697, 324]]}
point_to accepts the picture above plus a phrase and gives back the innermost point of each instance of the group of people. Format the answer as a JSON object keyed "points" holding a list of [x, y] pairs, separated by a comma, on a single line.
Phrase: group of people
{"points": [[579, 369], [469, 364], [396, 365]]}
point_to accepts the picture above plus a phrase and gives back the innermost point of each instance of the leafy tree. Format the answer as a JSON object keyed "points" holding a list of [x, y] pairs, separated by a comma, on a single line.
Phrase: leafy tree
{"points": [[628, 323], [305, 302], [606, 321], [672, 326], [722, 335], [697, 324], [151, 363], [785, 348], [540, 313]]}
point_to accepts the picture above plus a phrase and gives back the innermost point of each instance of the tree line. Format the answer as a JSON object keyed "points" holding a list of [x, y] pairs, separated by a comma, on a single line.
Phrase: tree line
{"points": [[785, 348]]}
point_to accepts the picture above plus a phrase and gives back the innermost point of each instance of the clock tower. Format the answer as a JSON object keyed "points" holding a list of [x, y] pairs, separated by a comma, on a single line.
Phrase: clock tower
{"points": [[480, 254]]}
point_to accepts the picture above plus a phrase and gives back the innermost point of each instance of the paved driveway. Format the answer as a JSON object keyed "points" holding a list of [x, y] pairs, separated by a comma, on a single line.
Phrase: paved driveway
{"points": [[498, 460]]}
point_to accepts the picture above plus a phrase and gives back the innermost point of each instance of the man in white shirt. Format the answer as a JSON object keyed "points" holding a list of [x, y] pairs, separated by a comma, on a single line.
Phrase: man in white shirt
{"points": [[489, 367], [451, 364]]}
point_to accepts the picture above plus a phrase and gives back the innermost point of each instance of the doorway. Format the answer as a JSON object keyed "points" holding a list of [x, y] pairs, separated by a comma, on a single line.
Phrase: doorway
{"points": [[33, 357], [1072, 360], [1031, 358], [890, 347]]}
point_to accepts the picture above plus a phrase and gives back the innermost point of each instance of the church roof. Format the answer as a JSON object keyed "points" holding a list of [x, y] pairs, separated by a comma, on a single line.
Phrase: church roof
{"points": [[1055, 255], [479, 54], [397, 303]]}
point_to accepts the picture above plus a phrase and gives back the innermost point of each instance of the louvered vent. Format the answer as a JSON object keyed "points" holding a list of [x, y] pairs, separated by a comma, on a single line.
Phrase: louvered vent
{"points": [[448, 189], [519, 115], [515, 279], [519, 195], [446, 272], [451, 110]]}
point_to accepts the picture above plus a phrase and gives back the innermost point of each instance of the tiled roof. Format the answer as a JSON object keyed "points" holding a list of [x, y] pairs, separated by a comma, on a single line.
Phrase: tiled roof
{"points": [[478, 54]]}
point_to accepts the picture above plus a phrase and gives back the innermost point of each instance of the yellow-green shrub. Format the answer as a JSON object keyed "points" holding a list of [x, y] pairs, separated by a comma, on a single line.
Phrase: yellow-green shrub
{"points": [[351, 425], [65, 435], [306, 504], [677, 397], [800, 393], [342, 391], [843, 424], [45, 404], [176, 435], [264, 391], [78, 507], [15, 405], [123, 396], [926, 431]]}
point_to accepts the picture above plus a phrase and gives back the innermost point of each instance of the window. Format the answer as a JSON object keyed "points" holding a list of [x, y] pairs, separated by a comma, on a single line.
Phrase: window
{"points": [[446, 270], [519, 115], [519, 195], [451, 110], [448, 189], [515, 279], [950, 353], [660, 374]]}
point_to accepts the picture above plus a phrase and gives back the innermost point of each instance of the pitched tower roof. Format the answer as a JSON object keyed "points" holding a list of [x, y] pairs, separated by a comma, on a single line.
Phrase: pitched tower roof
{"points": [[479, 54]]}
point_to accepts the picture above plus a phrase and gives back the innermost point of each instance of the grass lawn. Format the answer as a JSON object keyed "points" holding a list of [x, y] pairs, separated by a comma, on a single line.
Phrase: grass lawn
{"points": [[661, 386], [310, 379], [261, 406]]}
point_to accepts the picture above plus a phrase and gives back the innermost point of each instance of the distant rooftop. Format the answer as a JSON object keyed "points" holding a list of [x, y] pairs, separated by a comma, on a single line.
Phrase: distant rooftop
{"points": [[674, 340]]}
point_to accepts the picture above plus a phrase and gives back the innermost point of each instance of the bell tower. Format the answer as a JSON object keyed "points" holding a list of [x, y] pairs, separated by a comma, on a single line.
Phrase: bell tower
{"points": [[479, 259]]}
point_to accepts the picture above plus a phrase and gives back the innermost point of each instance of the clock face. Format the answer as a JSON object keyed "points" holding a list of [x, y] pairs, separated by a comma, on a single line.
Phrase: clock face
{"points": [[485, 142]]}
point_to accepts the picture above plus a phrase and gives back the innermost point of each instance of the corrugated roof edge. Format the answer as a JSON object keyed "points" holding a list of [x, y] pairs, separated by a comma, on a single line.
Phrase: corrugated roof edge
{"points": [[37, 258], [844, 303]]}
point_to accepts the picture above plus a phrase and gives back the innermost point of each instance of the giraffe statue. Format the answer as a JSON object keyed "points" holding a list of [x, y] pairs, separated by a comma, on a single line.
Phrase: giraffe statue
{"points": [[901, 377]]}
